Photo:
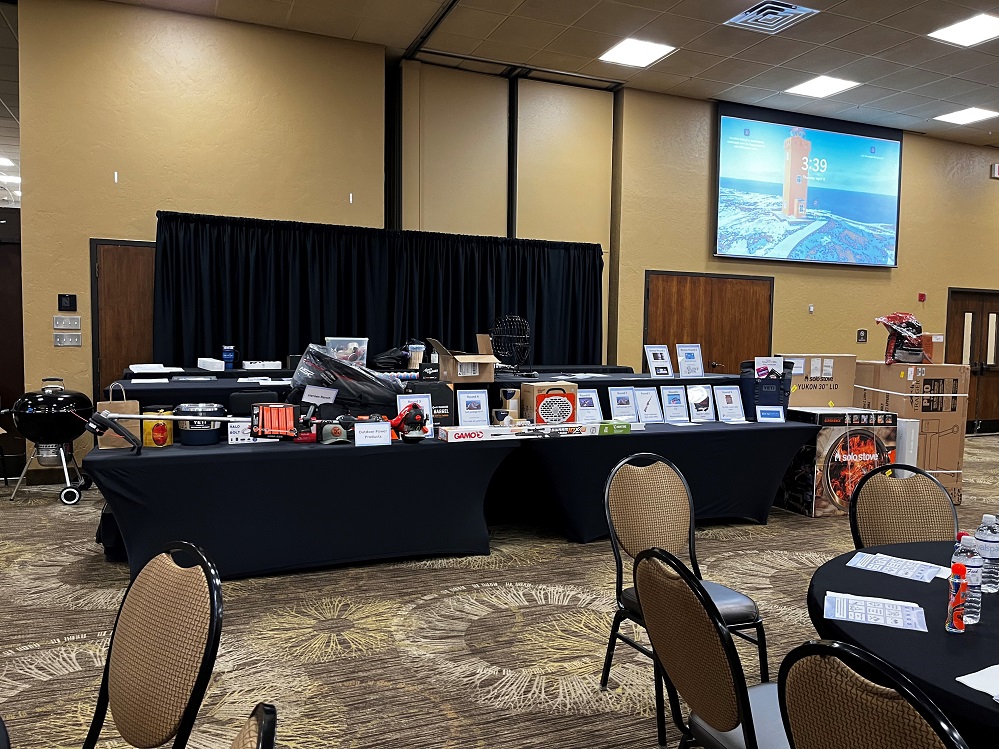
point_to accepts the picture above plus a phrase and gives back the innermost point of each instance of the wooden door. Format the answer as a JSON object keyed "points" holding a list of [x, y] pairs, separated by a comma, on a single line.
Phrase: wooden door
{"points": [[972, 330], [123, 307], [11, 353], [730, 316]]}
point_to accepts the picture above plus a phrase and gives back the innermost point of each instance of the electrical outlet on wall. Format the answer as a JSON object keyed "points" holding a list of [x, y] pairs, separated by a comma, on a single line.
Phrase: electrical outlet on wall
{"points": [[67, 339]]}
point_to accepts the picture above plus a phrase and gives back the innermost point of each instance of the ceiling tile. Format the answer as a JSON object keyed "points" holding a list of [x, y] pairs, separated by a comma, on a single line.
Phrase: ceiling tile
{"points": [[867, 69], [7, 39], [986, 97], [583, 42], [774, 50], [650, 80], [734, 70], [745, 94], [316, 19], [460, 45], [863, 94], [698, 88], [558, 61], [264, 12], [450, 62], [481, 67], [945, 88], [195, 7], [990, 47], [916, 51], [496, 6], [958, 62], [930, 109], [403, 11], [989, 74], [610, 70], [386, 33], [786, 102], [907, 79], [903, 121], [825, 107], [525, 32], [873, 11], [900, 101], [471, 22], [821, 60], [660, 5], [619, 20], [724, 40], [779, 79], [674, 30], [928, 16], [872, 39], [686, 63], [504, 52], [823, 28], [565, 12], [716, 11], [981, 5]]}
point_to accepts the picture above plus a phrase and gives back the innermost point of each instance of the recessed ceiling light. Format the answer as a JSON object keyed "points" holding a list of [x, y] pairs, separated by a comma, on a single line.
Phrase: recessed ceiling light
{"points": [[636, 53], [967, 116], [4, 161], [968, 33], [821, 87], [7, 179]]}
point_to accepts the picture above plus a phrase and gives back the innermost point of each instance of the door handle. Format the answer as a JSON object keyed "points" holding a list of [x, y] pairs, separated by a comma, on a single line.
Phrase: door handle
{"points": [[714, 364]]}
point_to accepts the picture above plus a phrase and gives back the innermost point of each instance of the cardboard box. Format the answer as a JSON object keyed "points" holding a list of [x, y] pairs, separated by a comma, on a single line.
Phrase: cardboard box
{"points": [[460, 367], [822, 380], [933, 348], [937, 395], [239, 433], [441, 399], [531, 393], [825, 471]]}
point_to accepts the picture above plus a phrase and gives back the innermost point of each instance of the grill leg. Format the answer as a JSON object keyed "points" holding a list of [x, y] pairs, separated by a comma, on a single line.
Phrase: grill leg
{"points": [[24, 473], [65, 468]]}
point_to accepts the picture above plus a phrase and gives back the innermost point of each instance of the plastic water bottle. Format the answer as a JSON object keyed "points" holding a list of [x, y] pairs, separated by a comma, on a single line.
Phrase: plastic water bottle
{"points": [[987, 538], [967, 555], [955, 606]]}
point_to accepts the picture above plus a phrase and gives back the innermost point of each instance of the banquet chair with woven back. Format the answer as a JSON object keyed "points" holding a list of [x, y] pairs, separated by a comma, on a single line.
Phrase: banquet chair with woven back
{"points": [[834, 695], [648, 505], [887, 508], [696, 657], [162, 650], [259, 730]]}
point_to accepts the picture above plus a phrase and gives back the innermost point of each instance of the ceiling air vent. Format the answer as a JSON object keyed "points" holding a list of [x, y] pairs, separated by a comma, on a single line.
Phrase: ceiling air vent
{"points": [[770, 17]]}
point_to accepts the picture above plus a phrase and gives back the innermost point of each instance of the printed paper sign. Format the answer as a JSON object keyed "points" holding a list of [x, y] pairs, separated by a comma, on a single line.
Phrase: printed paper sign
{"points": [[423, 399], [375, 433], [473, 408], [770, 413], [688, 358], [588, 409], [660, 363], [675, 404], [622, 404], [728, 401], [647, 401], [318, 395]]}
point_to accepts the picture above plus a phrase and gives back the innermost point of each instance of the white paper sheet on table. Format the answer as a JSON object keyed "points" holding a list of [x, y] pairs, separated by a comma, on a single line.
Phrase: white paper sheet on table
{"points": [[986, 680], [148, 381], [881, 611], [140, 368], [910, 569]]}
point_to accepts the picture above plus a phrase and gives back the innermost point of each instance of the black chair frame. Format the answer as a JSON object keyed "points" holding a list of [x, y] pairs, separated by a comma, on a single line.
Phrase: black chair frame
{"points": [[876, 670], [855, 531], [207, 662], [731, 654], [4, 738], [265, 714], [622, 613]]}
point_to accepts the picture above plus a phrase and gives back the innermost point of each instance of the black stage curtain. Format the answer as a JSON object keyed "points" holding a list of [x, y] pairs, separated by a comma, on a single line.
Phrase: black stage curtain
{"points": [[271, 287]]}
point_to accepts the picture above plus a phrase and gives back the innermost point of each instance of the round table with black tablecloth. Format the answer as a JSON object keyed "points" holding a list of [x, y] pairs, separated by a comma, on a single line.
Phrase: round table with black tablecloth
{"points": [[933, 659]]}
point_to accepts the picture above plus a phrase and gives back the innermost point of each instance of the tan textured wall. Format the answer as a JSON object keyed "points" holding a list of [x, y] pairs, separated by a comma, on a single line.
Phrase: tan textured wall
{"points": [[948, 237], [194, 114], [454, 150]]}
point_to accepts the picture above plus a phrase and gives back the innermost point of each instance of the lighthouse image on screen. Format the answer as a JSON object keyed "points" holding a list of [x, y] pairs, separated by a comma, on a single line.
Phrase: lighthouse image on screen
{"points": [[792, 193]]}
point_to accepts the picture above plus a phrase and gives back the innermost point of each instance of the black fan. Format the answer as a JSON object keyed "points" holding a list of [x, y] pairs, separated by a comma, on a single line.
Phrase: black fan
{"points": [[511, 339]]}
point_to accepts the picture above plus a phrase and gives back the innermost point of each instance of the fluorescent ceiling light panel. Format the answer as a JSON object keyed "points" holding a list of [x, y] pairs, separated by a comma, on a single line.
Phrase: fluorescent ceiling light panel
{"points": [[967, 116], [968, 33], [636, 53], [6, 179], [822, 86], [17, 193], [4, 161]]}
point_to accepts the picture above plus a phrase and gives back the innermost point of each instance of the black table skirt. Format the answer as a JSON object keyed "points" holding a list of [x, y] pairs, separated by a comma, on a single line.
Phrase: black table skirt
{"points": [[733, 470], [265, 508], [931, 659], [192, 391]]}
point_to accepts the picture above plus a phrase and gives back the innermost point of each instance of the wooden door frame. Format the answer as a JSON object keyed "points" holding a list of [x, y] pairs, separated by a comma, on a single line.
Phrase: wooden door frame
{"points": [[650, 273], [95, 327], [973, 424]]}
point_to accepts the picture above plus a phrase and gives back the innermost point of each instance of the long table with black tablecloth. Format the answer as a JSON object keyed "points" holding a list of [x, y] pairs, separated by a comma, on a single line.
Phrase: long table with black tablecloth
{"points": [[273, 507], [175, 392]]}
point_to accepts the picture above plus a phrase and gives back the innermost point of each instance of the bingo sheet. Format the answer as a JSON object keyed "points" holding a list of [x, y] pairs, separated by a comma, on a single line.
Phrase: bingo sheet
{"points": [[881, 611], [907, 568]]}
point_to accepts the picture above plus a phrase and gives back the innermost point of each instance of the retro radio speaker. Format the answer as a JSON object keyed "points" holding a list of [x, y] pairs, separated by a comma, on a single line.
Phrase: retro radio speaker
{"points": [[554, 406]]}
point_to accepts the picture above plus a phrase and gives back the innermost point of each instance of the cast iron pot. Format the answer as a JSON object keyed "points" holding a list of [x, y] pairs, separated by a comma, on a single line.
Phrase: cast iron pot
{"points": [[52, 415]]}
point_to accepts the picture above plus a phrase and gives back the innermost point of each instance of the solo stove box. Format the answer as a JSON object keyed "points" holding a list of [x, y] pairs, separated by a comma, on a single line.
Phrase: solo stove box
{"points": [[937, 395], [822, 379], [827, 468]]}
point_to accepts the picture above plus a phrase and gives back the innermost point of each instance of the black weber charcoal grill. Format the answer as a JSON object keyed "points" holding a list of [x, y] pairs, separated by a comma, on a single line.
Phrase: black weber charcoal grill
{"points": [[52, 418]]}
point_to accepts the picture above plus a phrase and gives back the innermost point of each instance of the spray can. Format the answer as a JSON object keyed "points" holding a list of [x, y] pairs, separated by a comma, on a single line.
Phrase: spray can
{"points": [[958, 587]]}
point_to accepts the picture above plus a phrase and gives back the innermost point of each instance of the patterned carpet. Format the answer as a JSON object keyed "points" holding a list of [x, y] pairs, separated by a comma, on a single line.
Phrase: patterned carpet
{"points": [[497, 651]]}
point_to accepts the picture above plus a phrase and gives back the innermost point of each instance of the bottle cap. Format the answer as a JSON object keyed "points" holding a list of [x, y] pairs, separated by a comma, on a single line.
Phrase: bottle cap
{"points": [[962, 534], [958, 569], [988, 519], [968, 542]]}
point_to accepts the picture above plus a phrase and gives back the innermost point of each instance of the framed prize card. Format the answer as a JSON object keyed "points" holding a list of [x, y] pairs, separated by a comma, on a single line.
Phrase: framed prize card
{"points": [[647, 403], [622, 404], [701, 403]]}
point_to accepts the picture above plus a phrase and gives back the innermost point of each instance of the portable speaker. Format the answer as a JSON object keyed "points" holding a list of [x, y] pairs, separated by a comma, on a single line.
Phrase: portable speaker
{"points": [[554, 407]]}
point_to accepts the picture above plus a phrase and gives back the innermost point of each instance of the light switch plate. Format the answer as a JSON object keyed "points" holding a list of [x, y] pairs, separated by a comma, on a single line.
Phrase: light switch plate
{"points": [[66, 322], [67, 339]]}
